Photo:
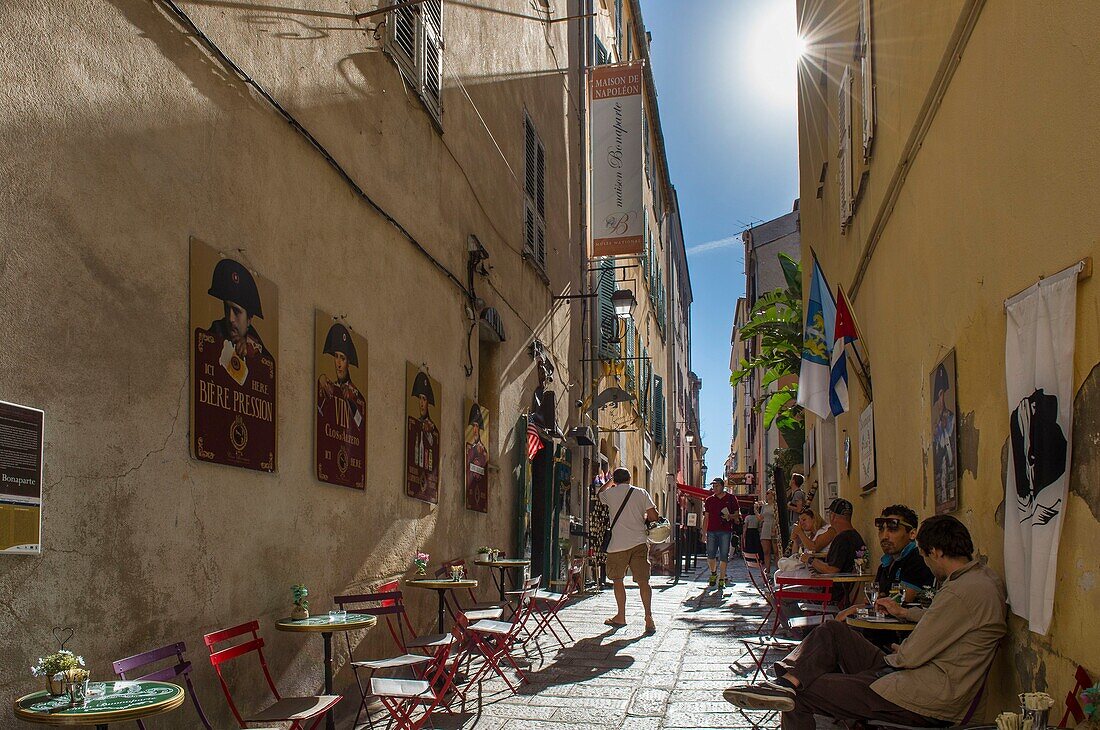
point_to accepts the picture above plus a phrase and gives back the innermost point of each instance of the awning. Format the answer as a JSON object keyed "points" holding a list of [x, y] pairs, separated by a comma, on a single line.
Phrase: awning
{"points": [[690, 491]]}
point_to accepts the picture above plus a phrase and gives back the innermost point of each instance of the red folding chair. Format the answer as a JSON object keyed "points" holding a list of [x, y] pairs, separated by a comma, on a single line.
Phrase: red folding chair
{"points": [[494, 640], [546, 604], [388, 603], [295, 710], [803, 590], [758, 576], [1073, 699], [411, 702]]}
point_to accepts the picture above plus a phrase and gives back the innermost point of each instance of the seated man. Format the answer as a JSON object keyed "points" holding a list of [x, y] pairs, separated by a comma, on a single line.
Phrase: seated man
{"points": [[931, 678], [841, 557]]}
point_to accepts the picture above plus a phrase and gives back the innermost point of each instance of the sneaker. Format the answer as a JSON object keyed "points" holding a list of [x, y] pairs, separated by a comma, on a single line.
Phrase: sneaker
{"points": [[713, 579], [721, 583], [763, 696]]}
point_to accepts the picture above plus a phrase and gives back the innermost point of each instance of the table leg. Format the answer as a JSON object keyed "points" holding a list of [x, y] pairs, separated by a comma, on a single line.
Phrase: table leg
{"points": [[501, 583], [442, 609], [100, 727], [326, 636]]}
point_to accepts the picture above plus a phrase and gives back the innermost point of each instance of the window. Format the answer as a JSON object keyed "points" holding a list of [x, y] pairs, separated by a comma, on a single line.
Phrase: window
{"points": [[414, 40], [844, 147], [659, 412], [534, 197], [631, 337], [602, 56], [866, 76], [609, 322]]}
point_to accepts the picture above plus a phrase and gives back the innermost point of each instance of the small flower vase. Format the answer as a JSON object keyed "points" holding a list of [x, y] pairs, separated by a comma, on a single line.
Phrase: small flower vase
{"points": [[421, 571], [55, 684], [300, 612], [859, 567]]}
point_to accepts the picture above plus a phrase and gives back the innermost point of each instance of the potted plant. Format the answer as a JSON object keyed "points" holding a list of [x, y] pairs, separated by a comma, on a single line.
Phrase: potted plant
{"points": [[861, 560], [484, 550], [1091, 696], [301, 605], [421, 563], [54, 667]]}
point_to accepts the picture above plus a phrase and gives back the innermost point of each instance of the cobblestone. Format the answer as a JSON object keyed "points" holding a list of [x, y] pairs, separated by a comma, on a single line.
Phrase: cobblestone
{"points": [[622, 680]]}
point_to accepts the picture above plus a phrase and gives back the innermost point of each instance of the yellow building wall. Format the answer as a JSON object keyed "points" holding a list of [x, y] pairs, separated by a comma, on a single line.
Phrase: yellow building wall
{"points": [[1002, 191]]}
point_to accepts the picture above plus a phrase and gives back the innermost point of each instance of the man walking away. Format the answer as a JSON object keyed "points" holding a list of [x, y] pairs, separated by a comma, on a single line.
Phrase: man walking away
{"points": [[718, 518], [630, 508], [932, 677]]}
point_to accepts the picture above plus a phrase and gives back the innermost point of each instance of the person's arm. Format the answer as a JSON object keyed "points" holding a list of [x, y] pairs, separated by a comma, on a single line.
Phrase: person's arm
{"points": [[652, 516], [935, 632], [822, 541], [822, 567]]}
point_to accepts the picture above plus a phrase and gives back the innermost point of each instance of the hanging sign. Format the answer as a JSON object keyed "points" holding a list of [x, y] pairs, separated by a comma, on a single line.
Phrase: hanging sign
{"points": [[615, 158], [340, 362], [423, 399], [20, 479], [477, 457], [235, 335]]}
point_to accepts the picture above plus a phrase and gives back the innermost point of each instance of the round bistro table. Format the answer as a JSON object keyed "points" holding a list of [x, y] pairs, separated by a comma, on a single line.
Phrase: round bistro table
{"points": [[885, 623], [503, 565], [847, 577], [441, 586], [325, 626], [121, 701]]}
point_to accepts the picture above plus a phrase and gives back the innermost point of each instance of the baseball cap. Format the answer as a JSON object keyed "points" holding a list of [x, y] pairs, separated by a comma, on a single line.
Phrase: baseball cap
{"points": [[841, 507]]}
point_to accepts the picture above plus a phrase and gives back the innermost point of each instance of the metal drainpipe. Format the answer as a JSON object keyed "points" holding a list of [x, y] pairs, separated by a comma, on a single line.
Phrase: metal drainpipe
{"points": [[585, 29]]}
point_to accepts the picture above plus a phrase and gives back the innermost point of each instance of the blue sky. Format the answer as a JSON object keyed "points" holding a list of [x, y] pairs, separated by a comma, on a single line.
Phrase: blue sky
{"points": [[725, 76]]}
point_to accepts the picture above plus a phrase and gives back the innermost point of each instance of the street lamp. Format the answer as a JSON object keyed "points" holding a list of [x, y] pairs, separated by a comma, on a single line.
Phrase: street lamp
{"points": [[624, 302]]}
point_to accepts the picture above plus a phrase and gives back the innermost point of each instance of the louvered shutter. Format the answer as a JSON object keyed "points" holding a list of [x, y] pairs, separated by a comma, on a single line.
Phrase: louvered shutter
{"points": [[631, 380], [609, 324], [844, 147], [534, 188], [602, 57], [867, 80], [432, 17], [403, 42], [644, 391], [659, 412]]}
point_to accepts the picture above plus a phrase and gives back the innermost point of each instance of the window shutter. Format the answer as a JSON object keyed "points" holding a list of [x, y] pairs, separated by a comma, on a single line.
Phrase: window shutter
{"points": [[534, 188], [402, 42], [609, 325], [844, 147], [659, 412], [631, 380], [602, 57], [867, 80], [645, 142], [529, 155], [432, 16], [540, 181]]}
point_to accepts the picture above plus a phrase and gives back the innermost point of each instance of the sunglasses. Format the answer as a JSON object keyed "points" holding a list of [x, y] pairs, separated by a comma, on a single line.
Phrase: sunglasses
{"points": [[890, 523]]}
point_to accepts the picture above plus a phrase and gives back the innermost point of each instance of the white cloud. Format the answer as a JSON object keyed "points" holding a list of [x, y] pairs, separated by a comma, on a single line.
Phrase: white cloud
{"points": [[714, 245]]}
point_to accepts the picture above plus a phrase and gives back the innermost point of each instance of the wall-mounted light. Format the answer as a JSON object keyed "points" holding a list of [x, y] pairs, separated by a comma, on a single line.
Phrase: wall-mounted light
{"points": [[624, 302]]}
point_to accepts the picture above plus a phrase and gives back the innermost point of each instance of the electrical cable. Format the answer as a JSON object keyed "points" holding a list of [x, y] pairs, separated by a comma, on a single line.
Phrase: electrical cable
{"points": [[185, 20]]}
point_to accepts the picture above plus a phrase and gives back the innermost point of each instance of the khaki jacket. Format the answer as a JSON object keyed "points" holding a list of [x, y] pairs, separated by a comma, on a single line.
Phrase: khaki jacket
{"points": [[943, 661]]}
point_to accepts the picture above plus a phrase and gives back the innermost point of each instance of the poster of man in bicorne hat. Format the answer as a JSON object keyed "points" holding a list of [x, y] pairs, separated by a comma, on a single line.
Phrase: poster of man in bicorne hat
{"points": [[235, 335], [340, 359], [477, 458], [422, 403]]}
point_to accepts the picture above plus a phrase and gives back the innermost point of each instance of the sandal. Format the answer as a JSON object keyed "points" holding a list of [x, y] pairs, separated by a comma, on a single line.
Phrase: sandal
{"points": [[616, 624]]}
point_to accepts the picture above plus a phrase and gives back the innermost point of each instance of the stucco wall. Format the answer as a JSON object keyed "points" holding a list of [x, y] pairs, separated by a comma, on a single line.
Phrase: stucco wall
{"points": [[121, 139], [999, 194]]}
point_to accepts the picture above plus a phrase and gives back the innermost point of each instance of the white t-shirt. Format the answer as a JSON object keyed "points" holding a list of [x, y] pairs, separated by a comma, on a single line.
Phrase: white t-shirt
{"points": [[629, 531]]}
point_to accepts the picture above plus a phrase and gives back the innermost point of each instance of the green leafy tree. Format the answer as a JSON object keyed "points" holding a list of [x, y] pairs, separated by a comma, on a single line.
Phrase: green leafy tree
{"points": [[776, 318]]}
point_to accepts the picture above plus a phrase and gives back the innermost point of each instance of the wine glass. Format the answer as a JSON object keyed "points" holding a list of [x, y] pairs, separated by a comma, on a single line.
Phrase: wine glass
{"points": [[871, 591]]}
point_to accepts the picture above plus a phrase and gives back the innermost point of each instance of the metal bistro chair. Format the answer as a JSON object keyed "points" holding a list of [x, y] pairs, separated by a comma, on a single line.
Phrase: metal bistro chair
{"points": [[181, 668], [388, 603], [545, 605], [295, 710], [1073, 702], [402, 697], [494, 640], [476, 610], [801, 589]]}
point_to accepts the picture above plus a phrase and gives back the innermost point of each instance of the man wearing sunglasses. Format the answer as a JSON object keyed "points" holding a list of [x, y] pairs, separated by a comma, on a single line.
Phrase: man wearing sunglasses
{"points": [[901, 561]]}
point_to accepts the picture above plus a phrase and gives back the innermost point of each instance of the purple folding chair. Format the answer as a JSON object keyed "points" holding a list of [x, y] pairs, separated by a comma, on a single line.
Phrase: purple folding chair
{"points": [[181, 667]]}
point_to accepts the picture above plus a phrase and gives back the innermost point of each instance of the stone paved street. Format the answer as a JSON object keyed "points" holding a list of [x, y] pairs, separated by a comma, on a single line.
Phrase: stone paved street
{"points": [[621, 679]]}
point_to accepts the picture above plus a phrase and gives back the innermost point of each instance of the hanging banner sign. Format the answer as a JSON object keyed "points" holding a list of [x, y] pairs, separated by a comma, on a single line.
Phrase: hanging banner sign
{"points": [[615, 158], [340, 362], [20, 479], [1039, 346], [234, 338]]}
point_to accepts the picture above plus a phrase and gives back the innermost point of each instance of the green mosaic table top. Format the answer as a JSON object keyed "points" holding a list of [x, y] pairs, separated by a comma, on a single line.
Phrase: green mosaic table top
{"points": [[322, 623], [119, 701]]}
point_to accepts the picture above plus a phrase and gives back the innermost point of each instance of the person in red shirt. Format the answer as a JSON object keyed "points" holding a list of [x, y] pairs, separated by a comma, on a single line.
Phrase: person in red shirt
{"points": [[719, 511]]}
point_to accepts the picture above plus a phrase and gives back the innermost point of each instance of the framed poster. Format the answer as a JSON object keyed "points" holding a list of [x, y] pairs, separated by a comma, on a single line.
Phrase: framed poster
{"points": [[234, 385], [423, 399], [21, 430], [477, 457], [340, 363], [867, 447], [945, 442]]}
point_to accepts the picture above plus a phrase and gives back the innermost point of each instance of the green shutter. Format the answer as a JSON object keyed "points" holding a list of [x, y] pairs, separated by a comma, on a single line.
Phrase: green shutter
{"points": [[605, 288], [631, 381]]}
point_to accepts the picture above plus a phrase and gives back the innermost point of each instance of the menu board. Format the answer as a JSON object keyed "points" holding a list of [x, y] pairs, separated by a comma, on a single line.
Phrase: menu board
{"points": [[20, 479]]}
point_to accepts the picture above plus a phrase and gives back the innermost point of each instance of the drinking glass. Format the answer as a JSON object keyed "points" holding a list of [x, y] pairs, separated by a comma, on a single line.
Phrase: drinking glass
{"points": [[337, 616], [871, 591]]}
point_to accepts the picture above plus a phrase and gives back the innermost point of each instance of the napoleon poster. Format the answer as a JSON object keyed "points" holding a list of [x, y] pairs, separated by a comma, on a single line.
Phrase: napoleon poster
{"points": [[234, 341], [340, 362], [477, 457], [615, 148], [423, 399]]}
